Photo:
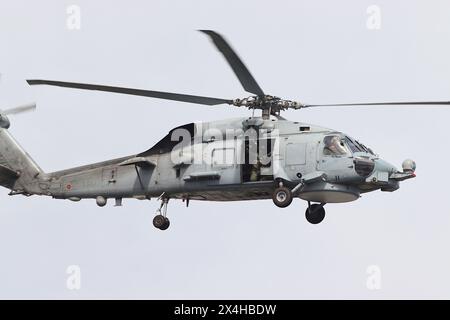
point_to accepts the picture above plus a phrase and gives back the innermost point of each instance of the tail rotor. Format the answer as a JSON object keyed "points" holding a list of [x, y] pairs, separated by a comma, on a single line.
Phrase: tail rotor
{"points": [[27, 107], [4, 120]]}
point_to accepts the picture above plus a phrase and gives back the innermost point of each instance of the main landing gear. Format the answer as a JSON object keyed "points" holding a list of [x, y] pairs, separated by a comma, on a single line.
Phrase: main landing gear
{"points": [[161, 221], [282, 197]]}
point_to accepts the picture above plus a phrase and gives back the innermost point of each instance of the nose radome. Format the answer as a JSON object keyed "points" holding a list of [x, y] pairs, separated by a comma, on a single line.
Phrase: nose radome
{"points": [[382, 165]]}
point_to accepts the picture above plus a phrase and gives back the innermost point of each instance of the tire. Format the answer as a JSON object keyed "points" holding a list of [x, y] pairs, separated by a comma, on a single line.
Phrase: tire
{"points": [[166, 224], [159, 221], [282, 197], [315, 215]]}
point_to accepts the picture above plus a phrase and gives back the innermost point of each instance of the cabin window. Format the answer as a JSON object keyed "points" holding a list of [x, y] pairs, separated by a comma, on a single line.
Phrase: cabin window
{"points": [[334, 146]]}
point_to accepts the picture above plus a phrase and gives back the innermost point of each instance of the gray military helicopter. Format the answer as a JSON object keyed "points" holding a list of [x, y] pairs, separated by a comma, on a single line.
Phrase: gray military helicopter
{"points": [[258, 157]]}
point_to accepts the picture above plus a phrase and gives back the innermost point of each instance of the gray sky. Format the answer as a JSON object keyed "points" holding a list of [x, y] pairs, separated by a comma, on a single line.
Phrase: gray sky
{"points": [[312, 51]]}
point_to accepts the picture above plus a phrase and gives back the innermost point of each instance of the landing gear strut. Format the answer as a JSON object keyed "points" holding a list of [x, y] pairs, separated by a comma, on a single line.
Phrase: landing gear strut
{"points": [[161, 221], [315, 213]]}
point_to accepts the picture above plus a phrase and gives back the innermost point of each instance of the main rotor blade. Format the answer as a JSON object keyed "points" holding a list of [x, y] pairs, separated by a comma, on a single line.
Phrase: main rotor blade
{"points": [[401, 103], [135, 92], [245, 77], [23, 108]]}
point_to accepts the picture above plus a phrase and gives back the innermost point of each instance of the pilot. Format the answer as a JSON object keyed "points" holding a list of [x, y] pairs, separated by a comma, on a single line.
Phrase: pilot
{"points": [[334, 146]]}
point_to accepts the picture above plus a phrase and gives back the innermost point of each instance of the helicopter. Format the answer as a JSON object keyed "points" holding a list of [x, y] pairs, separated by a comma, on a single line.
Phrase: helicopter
{"points": [[250, 158]]}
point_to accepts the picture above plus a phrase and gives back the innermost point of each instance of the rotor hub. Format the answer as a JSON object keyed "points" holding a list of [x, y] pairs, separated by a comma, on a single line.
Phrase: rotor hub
{"points": [[267, 102]]}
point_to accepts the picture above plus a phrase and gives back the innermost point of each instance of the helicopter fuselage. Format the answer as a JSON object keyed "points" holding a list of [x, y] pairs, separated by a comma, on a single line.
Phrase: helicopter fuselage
{"points": [[229, 160]]}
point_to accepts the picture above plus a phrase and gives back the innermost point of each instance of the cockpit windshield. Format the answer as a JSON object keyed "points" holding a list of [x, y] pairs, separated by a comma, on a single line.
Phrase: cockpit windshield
{"points": [[334, 146], [357, 146], [353, 146]]}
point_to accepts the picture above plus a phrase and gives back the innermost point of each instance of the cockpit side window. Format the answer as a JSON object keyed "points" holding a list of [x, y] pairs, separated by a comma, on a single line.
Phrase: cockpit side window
{"points": [[334, 146]]}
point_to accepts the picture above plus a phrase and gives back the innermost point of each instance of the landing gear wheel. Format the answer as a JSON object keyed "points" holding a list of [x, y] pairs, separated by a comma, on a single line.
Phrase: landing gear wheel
{"points": [[166, 224], [159, 221], [282, 197], [315, 213]]}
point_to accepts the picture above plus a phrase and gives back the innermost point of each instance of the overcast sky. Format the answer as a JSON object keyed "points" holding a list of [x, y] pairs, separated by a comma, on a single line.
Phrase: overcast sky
{"points": [[312, 51]]}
